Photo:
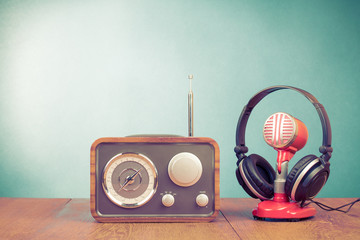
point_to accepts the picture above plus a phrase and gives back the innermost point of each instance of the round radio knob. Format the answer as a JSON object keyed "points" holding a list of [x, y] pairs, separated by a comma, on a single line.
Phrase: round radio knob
{"points": [[168, 200], [185, 169], [202, 200]]}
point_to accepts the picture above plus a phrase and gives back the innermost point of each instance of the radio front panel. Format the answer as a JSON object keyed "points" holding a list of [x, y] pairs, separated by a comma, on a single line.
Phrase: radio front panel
{"points": [[170, 179]]}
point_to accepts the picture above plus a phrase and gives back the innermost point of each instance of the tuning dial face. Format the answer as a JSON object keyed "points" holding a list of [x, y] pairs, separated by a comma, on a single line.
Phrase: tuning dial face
{"points": [[130, 180], [185, 169]]}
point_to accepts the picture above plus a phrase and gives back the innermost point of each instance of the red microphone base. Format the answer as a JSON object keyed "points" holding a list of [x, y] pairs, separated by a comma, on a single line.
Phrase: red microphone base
{"points": [[282, 210]]}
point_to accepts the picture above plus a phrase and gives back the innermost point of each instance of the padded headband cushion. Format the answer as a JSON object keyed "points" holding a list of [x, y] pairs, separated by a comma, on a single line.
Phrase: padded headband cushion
{"points": [[241, 148]]}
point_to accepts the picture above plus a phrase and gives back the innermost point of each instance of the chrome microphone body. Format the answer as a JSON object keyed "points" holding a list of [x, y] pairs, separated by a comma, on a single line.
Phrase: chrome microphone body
{"points": [[285, 134]]}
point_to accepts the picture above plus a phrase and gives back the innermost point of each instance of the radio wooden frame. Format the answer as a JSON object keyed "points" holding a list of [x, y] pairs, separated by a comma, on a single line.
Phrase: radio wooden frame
{"points": [[154, 140]]}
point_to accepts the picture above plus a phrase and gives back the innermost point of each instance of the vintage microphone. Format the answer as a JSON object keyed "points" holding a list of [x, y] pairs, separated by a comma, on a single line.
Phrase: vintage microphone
{"points": [[285, 134]]}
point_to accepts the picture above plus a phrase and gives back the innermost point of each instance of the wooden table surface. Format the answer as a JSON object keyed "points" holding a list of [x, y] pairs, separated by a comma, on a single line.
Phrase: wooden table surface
{"points": [[30, 218]]}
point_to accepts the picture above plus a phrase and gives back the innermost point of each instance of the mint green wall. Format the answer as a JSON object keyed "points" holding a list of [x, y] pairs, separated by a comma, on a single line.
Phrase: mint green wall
{"points": [[74, 71]]}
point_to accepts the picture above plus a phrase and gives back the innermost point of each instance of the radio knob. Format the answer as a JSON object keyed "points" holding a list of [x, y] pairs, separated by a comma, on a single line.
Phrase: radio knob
{"points": [[202, 200], [185, 169], [168, 200]]}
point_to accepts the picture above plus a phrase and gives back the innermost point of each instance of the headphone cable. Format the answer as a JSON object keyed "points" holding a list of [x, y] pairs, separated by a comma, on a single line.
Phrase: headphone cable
{"points": [[328, 208]]}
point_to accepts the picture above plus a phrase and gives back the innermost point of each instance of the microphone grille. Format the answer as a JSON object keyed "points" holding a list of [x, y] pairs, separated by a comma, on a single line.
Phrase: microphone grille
{"points": [[279, 130]]}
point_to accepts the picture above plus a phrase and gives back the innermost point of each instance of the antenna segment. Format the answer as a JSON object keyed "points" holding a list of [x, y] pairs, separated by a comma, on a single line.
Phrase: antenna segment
{"points": [[190, 109]]}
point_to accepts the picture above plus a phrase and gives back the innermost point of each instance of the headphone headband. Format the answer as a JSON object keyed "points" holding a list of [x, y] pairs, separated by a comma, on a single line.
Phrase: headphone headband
{"points": [[241, 148]]}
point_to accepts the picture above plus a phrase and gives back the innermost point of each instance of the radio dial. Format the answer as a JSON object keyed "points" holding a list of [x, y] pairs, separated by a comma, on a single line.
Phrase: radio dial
{"points": [[202, 200], [185, 169], [168, 200], [129, 180]]}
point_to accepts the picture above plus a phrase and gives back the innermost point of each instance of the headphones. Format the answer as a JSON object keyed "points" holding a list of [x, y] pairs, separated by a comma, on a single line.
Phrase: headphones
{"points": [[306, 178]]}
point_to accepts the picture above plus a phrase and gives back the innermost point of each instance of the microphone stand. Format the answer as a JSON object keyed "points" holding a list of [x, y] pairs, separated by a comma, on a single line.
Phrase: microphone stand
{"points": [[280, 207]]}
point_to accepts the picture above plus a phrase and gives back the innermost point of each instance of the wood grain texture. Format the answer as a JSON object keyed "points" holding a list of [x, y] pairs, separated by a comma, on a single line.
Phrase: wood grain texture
{"points": [[71, 219], [24, 218], [157, 139], [324, 225]]}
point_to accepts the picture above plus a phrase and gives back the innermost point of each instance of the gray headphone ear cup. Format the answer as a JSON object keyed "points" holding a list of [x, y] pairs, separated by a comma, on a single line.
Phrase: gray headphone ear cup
{"points": [[243, 184], [295, 171], [306, 178], [258, 176]]}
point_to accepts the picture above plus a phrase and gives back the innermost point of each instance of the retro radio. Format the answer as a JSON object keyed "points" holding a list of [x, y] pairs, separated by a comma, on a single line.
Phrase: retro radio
{"points": [[154, 178]]}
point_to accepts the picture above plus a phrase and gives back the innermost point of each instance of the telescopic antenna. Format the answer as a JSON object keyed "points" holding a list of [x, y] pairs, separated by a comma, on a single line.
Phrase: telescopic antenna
{"points": [[190, 108]]}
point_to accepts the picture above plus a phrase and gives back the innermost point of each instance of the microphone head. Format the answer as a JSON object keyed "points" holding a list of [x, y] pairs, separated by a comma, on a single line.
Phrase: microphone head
{"points": [[282, 131]]}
